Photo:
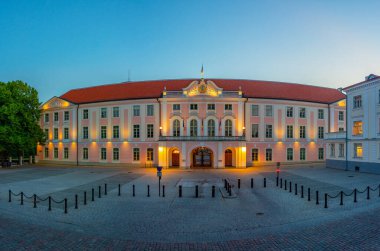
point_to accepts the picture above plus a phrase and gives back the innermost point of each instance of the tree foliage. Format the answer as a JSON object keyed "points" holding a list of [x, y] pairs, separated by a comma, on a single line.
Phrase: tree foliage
{"points": [[19, 116]]}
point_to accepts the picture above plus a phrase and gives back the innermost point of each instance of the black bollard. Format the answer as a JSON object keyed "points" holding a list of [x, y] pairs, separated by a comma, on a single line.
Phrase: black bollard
{"points": [[317, 198], [9, 196], [213, 191], [105, 189], [290, 186], [280, 182], [100, 192], [148, 195], [341, 198], [22, 199], [276, 181], [65, 206], [238, 183], [163, 190], [286, 185], [180, 191], [265, 182], [196, 191], [85, 198], [355, 191], [76, 201], [325, 200], [367, 192], [225, 183], [251, 182], [301, 191], [133, 191], [93, 194], [295, 189], [34, 201], [308, 194], [119, 191], [230, 190], [49, 203]]}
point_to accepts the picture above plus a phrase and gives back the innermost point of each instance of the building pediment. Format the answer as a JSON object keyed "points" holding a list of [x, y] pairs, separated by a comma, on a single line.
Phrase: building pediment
{"points": [[202, 88], [55, 103]]}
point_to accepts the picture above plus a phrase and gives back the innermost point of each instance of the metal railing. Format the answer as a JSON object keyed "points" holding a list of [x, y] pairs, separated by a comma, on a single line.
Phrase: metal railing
{"points": [[202, 138]]}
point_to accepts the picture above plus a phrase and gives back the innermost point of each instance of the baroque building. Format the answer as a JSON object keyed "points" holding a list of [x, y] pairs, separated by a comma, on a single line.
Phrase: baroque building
{"points": [[191, 123]]}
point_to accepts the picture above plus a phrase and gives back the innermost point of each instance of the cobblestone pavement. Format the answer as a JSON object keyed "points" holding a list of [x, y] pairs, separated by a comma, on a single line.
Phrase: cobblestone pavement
{"points": [[257, 219]]}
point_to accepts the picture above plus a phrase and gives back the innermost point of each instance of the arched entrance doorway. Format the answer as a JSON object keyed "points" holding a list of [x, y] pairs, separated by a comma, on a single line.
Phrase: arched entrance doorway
{"points": [[228, 157], [175, 158], [202, 157]]}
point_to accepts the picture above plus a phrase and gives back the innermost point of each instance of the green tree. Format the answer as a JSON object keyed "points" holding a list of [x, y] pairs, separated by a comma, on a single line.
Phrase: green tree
{"points": [[19, 119]]}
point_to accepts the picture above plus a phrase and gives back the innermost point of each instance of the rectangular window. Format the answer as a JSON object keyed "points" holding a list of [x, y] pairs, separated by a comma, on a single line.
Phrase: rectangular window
{"points": [[228, 107], [268, 110], [55, 133], [47, 134], [211, 107], [255, 110], [176, 107], [65, 133], [302, 153], [65, 153], [149, 131], [341, 116], [268, 131], [332, 150], [103, 112], [358, 150], [255, 130], [136, 154], [115, 112], [358, 128], [268, 154], [136, 110], [321, 132], [46, 152], [56, 116], [149, 110], [115, 132], [149, 154], [358, 101], [115, 154], [321, 114], [103, 132], [289, 154], [193, 107], [341, 150], [85, 132], [321, 154], [255, 154], [302, 132], [341, 129], [46, 117], [289, 131], [302, 112], [289, 112], [85, 153], [136, 131], [56, 153], [66, 116], [103, 153], [85, 114]]}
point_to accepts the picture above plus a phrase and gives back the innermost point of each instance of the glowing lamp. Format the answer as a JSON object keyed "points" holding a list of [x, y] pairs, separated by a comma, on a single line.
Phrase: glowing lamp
{"points": [[244, 149], [161, 149]]}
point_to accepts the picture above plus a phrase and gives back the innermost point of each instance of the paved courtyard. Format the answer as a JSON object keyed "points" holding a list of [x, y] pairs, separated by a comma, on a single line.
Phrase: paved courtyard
{"points": [[258, 218]]}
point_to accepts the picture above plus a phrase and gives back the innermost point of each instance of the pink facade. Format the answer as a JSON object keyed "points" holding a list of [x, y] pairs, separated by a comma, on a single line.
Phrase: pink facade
{"points": [[197, 126]]}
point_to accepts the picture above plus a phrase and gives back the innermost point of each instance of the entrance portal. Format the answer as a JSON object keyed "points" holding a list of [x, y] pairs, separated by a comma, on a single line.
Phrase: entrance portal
{"points": [[175, 158], [228, 158], [202, 157]]}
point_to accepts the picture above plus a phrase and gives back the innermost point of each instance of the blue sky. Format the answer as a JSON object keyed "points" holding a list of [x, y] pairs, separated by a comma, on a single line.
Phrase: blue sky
{"points": [[59, 45]]}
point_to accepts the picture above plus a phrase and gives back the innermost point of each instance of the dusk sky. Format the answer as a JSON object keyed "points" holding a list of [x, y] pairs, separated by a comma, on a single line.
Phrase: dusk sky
{"points": [[56, 45]]}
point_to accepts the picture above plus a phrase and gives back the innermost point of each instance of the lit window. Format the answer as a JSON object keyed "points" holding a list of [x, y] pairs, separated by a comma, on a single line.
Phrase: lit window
{"points": [[358, 150], [289, 112], [358, 128], [103, 113], [255, 110]]}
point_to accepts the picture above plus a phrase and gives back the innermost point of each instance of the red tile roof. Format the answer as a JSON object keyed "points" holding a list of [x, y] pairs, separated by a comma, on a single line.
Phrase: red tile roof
{"points": [[250, 88]]}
